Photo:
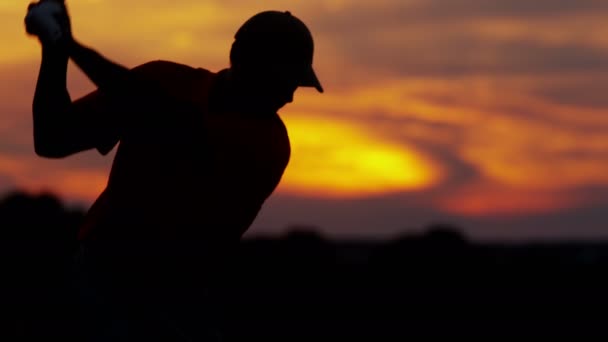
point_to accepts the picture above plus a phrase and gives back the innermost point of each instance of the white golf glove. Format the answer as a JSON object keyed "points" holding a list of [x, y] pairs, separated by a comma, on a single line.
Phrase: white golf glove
{"points": [[49, 21]]}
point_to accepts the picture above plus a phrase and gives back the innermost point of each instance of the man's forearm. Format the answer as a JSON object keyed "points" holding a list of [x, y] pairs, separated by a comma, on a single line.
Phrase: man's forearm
{"points": [[51, 87], [119, 83], [104, 73], [51, 99]]}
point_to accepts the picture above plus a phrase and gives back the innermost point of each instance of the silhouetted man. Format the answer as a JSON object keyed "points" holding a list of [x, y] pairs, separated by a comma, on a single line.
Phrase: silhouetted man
{"points": [[199, 154]]}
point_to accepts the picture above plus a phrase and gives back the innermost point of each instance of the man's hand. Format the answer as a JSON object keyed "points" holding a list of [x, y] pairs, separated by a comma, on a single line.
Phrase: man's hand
{"points": [[49, 21]]}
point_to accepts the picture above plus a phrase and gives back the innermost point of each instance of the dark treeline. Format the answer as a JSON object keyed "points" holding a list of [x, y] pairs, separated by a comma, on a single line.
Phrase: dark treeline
{"points": [[303, 287]]}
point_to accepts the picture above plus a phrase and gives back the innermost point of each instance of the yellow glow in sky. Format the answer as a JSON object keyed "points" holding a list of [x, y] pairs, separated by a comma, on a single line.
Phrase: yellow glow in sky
{"points": [[339, 158]]}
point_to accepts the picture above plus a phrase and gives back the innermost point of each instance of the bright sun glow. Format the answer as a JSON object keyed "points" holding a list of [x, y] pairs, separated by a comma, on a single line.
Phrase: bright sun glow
{"points": [[334, 158]]}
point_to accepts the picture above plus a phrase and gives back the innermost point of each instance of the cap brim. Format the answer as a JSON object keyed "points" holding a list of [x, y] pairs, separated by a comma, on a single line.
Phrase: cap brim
{"points": [[310, 80]]}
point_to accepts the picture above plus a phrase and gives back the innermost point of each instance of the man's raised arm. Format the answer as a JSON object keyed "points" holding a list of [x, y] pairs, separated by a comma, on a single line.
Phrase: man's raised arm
{"points": [[105, 74], [51, 105], [63, 127]]}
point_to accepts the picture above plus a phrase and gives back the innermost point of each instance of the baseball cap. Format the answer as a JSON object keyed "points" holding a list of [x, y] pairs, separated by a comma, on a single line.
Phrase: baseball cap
{"points": [[277, 38]]}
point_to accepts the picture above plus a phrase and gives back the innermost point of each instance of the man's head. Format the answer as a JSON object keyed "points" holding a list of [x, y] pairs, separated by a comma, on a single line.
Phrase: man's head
{"points": [[272, 56]]}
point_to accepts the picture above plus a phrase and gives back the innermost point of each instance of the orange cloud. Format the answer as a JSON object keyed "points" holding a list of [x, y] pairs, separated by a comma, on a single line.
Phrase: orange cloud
{"points": [[34, 174], [488, 199]]}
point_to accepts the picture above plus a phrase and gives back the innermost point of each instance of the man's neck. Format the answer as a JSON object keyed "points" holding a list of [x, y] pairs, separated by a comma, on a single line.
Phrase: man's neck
{"points": [[230, 95]]}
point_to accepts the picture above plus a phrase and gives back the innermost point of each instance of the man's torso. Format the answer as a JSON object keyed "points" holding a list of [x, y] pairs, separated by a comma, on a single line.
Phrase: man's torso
{"points": [[190, 173]]}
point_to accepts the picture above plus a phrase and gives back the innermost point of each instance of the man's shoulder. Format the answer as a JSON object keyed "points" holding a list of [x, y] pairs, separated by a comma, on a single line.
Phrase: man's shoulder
{"points": [[179, 80], [164, 68]]}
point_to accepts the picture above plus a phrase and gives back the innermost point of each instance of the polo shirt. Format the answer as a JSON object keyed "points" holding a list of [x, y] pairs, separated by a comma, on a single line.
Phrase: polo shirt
{"points": [[190, 166]]}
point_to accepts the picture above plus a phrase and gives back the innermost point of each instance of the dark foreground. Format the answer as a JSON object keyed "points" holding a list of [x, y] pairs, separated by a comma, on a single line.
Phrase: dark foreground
{"points": [[303, 287]]}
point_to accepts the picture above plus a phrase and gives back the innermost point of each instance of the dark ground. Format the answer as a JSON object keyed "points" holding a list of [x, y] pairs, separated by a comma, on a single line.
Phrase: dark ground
{"points": [[302, 287]]}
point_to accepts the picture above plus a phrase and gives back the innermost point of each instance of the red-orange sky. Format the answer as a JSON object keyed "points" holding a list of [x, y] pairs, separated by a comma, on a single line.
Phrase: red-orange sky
{"points": [[490, 114]]}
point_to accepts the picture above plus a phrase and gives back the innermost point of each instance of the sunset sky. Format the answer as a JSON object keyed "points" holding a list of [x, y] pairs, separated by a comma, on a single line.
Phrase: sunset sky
{"points": [[488, 114]]}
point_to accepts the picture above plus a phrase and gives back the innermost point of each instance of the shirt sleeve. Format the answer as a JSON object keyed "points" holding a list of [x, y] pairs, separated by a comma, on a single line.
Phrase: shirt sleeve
{"points": [[94, 115], [105, 116]]}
